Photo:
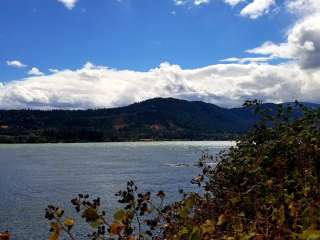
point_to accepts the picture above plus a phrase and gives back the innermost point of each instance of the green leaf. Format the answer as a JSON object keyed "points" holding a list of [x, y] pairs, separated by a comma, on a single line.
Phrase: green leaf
{"points": [[310, 234], [195, 234], [94, 224], [184, 212], [247, 236], [183, 232], [235, 200], [189, 202]]}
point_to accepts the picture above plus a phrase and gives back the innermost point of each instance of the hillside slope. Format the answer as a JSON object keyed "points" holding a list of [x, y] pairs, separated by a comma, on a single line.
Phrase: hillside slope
{"points": [[157, 119]]}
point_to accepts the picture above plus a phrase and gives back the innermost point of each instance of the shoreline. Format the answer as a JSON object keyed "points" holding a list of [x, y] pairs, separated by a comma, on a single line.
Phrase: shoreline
{"points": [[107, 142]]}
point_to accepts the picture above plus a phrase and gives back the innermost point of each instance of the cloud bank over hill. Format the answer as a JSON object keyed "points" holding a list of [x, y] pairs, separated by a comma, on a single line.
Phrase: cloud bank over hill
{"points": [[275, 72], [222, 84]]}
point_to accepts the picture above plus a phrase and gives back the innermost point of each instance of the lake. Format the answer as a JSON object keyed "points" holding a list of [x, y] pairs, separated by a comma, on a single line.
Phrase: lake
{"points": [[32, 176]]}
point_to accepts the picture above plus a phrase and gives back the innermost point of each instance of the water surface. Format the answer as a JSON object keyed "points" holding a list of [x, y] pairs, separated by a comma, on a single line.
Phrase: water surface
{"points": [[31, 176]]}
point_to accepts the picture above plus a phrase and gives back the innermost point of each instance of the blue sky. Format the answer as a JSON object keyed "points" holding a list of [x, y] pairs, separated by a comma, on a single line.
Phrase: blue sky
{"points": [[131, 34], [138, 36]]}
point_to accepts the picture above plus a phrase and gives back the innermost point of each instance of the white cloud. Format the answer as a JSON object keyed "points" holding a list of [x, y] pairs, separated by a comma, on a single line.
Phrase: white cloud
{"points": [[227, 84], [53, 70], [233, 2], [253, 10], [35, 72], [298, 78], [303, 38], [88, 65], [276, 50], [302, 45], [16, 64], [180, 2], [221, 84], [70, 4], [247, 60], [257, 8], [303, 7], [199, 2], [193, 2]]}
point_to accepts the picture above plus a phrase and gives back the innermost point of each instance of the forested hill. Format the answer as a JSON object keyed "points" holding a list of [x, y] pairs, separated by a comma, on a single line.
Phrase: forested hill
{"points": [[154, 119]]}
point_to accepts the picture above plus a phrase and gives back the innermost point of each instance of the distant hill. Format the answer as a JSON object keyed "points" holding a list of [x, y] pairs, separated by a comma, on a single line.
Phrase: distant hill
{"points": [[154, 119]]}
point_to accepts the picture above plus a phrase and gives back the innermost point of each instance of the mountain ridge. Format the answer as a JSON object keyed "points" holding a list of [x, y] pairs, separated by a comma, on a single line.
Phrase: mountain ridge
{"points": [[153, 119]]}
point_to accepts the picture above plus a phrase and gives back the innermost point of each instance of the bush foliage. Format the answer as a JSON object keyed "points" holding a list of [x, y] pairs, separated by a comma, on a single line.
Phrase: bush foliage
{"points": [[267, 187]]}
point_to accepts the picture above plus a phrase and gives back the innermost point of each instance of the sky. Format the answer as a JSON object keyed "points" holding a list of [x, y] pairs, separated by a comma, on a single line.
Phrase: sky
{"points": [[79, 54]]}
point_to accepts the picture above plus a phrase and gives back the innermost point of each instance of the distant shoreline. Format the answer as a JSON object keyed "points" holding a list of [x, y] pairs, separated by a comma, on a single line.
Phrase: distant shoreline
{"points": [[128, 141], [159, 119]]}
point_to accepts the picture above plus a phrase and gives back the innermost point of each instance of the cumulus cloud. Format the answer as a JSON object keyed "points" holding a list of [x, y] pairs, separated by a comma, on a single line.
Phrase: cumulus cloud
{"points": [[303, 41], [227, 84], [16, 64], [257, 8], [222, 84], [70, 4], [35, 72], [303, 7]]}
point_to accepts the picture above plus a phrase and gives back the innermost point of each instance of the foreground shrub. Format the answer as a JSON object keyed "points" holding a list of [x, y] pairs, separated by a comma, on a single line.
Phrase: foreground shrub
{"points": [[267, 187]]}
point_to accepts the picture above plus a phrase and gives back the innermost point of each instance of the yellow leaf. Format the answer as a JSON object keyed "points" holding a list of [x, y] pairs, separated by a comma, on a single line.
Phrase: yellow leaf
{"points": [[208, 227], [68, 222], [120, 216], [310, 234], [292, 210], [234, 201], [59, 212], [247, 236], [269, 183], [221, 220]]}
